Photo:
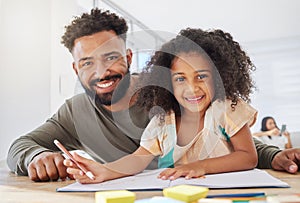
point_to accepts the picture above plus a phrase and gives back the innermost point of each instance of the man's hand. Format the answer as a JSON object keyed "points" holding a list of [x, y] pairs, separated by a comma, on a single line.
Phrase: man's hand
{"points": [[287, 160], [47, 166]]}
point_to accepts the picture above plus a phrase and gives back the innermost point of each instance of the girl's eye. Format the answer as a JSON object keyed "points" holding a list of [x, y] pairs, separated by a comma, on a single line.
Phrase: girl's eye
{"points": [[179, 79], [202, 76]]}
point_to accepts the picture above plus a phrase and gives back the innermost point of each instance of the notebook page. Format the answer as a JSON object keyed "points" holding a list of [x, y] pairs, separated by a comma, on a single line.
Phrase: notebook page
{"points": [[242, 179]]}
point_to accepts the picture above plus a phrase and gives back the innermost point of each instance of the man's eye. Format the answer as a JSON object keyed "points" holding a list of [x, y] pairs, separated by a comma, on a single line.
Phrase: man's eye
{"points": [[87, 63], [113, 57]]}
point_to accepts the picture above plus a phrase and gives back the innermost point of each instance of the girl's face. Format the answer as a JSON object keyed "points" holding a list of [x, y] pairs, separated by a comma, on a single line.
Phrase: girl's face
{"points": [[192, 80], [270, 124]]}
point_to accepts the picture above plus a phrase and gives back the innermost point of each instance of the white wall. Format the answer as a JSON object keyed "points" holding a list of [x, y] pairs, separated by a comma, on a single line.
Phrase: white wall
{"points": [[30, 52], [277, 78], [25, 67], [246, 20], [62, 75]]}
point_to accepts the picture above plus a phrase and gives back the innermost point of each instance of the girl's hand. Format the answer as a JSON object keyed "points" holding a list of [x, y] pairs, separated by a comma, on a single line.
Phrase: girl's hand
{"points": [[188, 171], [100, 172], [275, 132], [286, 133]]}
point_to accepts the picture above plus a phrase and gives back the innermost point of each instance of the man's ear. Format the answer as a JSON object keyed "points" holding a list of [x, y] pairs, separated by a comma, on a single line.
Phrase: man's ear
{"points": [[74, 68], [129, 56]]}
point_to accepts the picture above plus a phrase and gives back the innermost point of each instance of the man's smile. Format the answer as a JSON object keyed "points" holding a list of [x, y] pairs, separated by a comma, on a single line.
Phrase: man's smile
{"points": [[107, 84]]}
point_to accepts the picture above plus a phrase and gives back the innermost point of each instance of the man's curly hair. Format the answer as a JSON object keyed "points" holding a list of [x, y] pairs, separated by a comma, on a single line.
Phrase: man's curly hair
{"points": [[232, 69], [91, 23]]}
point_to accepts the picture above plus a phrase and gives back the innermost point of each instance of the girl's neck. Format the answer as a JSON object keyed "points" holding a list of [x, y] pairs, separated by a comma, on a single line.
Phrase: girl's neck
{"points": [[192, 116], [188, 126]]}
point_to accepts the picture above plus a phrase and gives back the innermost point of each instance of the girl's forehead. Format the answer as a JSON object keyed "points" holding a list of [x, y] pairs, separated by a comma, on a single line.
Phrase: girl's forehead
{"points": [[192, 60]]}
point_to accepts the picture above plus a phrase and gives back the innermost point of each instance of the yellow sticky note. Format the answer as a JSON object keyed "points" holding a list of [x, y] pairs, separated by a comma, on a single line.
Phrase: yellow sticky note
{"points": [[186, 193], [118, 196]]}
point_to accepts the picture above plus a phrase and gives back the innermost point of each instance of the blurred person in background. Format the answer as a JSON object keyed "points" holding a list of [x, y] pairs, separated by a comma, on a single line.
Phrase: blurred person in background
{"points": [[270, 134]]}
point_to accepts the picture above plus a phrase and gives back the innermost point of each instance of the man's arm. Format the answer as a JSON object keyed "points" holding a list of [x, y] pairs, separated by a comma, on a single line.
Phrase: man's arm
{"points": [[32, 154], [287, 160], [25, 148], [265, 153], [272, 157]]}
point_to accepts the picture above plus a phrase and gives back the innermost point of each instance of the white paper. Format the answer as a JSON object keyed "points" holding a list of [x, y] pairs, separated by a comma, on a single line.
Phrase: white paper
{"points": [[241, 179], [148, 180]]}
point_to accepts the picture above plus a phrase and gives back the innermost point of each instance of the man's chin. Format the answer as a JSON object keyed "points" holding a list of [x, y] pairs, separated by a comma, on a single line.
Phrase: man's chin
{"points": [[112, 97], [104, 99]]}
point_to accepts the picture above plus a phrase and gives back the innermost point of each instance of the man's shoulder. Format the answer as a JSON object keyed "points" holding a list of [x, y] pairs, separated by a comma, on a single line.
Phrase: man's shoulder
{"points": [[78, 100], [78, 97]]}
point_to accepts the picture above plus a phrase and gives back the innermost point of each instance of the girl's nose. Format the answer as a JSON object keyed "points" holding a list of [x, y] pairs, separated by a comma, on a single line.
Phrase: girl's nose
{"points": [[195, 87]]}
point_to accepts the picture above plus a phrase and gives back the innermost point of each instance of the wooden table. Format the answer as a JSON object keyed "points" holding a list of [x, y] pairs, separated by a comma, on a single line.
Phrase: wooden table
{"points": [[15, 188]]}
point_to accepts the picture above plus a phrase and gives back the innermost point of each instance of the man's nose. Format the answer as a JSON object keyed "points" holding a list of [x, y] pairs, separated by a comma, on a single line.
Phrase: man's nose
{"points": [[101, 69]]}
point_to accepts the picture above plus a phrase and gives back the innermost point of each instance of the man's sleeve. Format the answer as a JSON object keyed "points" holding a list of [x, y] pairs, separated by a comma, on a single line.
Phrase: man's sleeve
{"points": [[265, 154], [26, 147]]}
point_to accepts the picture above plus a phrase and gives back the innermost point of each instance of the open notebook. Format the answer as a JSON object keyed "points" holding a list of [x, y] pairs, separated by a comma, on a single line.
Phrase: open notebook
{"points": [[148, 181]]}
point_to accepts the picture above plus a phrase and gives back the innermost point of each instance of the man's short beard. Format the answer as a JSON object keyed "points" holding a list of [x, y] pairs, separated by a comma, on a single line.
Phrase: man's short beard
{"points": [[110, 97]]}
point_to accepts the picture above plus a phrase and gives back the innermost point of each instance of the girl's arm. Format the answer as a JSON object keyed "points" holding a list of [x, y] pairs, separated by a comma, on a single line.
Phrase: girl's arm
{"points": [[262, 133], [125, 166], [288, 145], [244, 157], [272, 132]]}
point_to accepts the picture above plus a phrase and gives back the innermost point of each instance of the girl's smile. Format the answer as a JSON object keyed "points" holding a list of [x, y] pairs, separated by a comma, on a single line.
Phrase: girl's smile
{"points": [[194, 99]]}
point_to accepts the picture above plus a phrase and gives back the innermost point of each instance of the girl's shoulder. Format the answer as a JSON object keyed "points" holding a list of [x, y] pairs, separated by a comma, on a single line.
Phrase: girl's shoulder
{"points": [[229, 108], [232, 118]]}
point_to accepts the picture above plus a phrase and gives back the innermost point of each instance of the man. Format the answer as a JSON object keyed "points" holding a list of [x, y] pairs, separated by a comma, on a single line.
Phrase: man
{"points": [[104, 121]]}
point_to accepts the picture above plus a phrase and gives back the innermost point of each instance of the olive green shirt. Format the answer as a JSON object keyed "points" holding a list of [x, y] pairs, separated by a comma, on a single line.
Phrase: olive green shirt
{"points": [[79, 124]]}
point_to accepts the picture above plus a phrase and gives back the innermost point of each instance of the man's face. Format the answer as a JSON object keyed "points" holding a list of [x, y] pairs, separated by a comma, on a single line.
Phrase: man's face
{"points": [[101, 63]]}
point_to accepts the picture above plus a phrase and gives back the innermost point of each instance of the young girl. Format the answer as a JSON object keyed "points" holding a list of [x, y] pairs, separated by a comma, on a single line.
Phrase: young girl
{"points": [[197, 87]]}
